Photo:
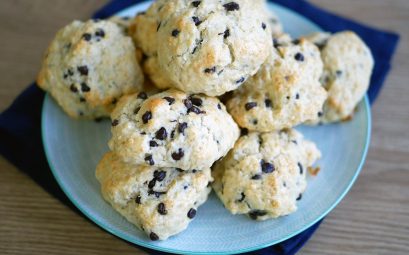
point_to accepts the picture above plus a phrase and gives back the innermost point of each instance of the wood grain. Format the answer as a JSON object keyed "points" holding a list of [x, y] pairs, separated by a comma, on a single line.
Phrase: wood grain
{"points": [[372, 219]]}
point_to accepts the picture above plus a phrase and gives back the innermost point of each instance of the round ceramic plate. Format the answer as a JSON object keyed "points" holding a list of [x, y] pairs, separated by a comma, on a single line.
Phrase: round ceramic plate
{"points": [[74, 148]]}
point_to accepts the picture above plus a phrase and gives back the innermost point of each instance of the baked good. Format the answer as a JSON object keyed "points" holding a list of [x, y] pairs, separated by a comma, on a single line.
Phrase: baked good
{"points": [[264, 174], [159, 201], [348, 65], [88, 67], [172, 129], [285, 91]]}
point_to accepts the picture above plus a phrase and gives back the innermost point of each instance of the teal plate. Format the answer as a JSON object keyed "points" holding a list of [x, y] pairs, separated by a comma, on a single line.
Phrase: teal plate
{"points": [[73, 149]]}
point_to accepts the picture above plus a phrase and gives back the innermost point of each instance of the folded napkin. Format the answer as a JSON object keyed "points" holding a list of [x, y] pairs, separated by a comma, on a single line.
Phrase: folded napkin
{"points": [[20, 124]]}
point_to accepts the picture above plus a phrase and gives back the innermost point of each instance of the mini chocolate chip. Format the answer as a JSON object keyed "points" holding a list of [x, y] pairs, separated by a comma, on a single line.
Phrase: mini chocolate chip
{"points": [[82, 100], [70, 72], [152, 183], [288, 97], [156, 193], [226, 33], [294, 142], [149, 159], [241, 80], [114, 101], [146, 117], [297, 96], [196, 101], [196, 20], [159, 175], [263, 26], [182, 127], [299, 197], [98, 119], [299, 57], [210, 70], [296, 41], [73, 88], [138, 199], [268, 103], [338, 73], [158, 27], [194, 171], [85, 88], [196, 3], [187, 103], [255, 122], [170, 100], [185, 187], [244, 131], [175, 32], [86, 37], [178, 155], [115, 123], [153, 144], [195, 110], [256, 213], [219, 106], [300, 167], [256, 177], [153, 236], [320, 114], [243, 196], [161, 134], [267, 167], [250, 105], [232, 6], [191, 213], [275, 43], [100, 32], [65, 76], [162, 209], [81, 113], [83, 70], [136, 110], [179, 170], [142, 95]]}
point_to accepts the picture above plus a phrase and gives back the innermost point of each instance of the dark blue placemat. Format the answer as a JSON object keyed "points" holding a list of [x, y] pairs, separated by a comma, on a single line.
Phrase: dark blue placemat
{"points": [[20, 124]]}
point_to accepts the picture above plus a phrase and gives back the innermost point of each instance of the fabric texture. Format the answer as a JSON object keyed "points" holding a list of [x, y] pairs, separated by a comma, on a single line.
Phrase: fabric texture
{"points": [[20, 124]]}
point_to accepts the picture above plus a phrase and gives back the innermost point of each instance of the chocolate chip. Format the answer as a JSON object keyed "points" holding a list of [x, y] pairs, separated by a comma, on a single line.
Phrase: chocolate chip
{"points": [[162, 209], [320, 114], [153, 236], [256, 213], [268, 103], [136, 110], [187, 103], [275, 43], [195, 110], [153, 144], [159, 175], [83, 70], [138, 199], [142, 95], [73, 88], [161, 134], [255, 122], [267, 167], [85, 88], [210, 70], [170, 100], [299, 197], [196, 101], [250, 105], [86, 37], [244, 131], [115, 123], [241, 80], [243, 196], [146, 117], [299, 57], [114, 101], [296, 41], [256, 177], [82, 100], [178, 155], [175, 32], [191, 213], [194, 171], [196, 20], [98, 119], [219, 106], [232, 6], [152, 183], [226, 33], [143, 133], [300, 167], [196, 3], [156, 193], [149, 159], [263, 26], [179, 170], [100, 32], [297, 96], [70, 72], [182, 127], [172, 134], [338, 73]]}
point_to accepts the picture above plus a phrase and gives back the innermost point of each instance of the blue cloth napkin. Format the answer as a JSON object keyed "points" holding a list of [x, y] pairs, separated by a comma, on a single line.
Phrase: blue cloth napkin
{"points": [[20, 124]]}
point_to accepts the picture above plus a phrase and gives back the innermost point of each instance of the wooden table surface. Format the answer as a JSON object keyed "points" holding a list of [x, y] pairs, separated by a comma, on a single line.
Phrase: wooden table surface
{"points": [[372, 219]]}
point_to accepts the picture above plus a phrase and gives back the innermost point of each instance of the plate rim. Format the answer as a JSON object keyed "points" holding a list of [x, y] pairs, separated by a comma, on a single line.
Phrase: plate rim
{"points": [[170, 250]]}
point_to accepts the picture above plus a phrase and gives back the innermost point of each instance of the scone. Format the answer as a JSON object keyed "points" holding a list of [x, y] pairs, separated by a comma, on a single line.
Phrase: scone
{"points": [[264, 174], [159, 201], [208, 47], [172, 129], [88, 67], [348, 65], [285, 91]]}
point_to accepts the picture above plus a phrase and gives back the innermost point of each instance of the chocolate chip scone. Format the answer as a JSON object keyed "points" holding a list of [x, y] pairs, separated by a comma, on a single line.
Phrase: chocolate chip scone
{"points": [[172, 129], [285, 91], [159, 201], [264, 174], [348, 65], [88, 66]]}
